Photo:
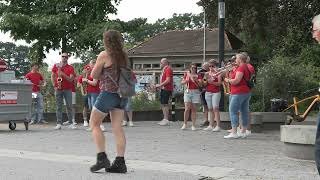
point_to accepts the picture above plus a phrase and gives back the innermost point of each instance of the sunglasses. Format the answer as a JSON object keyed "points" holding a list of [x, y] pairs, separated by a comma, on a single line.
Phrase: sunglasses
{"points": [[212, 66], [193, 67], [65, 56]]}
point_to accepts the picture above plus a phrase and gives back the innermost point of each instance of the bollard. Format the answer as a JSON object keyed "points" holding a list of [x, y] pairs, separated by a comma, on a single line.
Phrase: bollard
{"points": [[173, 109]]}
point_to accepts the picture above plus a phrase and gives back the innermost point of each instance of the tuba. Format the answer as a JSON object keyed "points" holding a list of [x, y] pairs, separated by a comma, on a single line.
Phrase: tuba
{"points": [[59, 79]]}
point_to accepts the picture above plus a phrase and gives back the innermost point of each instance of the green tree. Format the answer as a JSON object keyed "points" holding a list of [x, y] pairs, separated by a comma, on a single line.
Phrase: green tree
{"points": [[72, 25], [16, 57]]}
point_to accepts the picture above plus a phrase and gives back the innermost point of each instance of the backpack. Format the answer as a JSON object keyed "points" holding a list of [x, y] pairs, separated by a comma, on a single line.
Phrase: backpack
{"points": [[252, 81], [126, 82]]}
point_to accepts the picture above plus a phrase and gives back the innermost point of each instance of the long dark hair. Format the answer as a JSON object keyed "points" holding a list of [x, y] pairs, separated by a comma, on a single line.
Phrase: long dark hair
{"points": [[113, 44]]}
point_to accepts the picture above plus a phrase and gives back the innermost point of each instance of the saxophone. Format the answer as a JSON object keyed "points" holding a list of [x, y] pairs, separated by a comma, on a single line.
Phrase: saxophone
{"points": [[84, 86], [59, 79]]}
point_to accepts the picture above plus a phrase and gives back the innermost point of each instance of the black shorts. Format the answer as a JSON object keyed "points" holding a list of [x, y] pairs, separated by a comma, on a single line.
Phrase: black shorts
{"points": [[203, 98], [165, 96]]}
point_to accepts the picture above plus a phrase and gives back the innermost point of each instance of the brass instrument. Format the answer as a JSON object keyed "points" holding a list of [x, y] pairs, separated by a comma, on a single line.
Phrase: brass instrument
{"points": [[84, 85], [59, 79], [226, 86]]}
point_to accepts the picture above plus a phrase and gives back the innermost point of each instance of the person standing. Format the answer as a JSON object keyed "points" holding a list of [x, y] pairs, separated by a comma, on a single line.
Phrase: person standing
{"points": [[316, 36], [93, 89], [166, 86], [213, 96], [107, 70], [239, 97], [128, 107], [62, 78], [192, 80], [202, 72], [38, 81]]}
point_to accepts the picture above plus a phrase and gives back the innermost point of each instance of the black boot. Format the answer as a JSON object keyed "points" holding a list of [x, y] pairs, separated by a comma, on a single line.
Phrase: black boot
{"points": [[118, 166], [102, 162]]}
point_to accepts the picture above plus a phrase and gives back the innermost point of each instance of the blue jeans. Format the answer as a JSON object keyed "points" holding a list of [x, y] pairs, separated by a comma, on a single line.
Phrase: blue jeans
{"points": [[239, 103], [67, 95], [317, 144], [37, 109], [92, 97]]}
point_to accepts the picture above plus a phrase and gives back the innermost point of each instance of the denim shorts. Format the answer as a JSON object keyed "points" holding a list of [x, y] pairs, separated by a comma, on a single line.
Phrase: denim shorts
{"points": [[213, 99], [128, 104], [85, 101], [192, 96], [107, 101]]}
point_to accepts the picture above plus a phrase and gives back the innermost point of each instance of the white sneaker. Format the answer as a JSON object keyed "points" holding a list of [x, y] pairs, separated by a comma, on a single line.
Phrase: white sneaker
{"points": [[130, 123], [209, 128], [183, 127], [242, 135], [164, 122], [74, 123], [32, 122], [231, 136], [72, 126], [193, 128], [216, 129], [160, 121], [85, 123], [102, 127], [58, 127], [124, 123], [66, 123], [248, 132]]}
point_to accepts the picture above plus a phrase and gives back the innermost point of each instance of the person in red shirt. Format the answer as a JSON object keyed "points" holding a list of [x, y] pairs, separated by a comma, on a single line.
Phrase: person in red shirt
{"points": [[213, 95], [166, 85], [62, 78], [38, 81], [192, 80], [239, 97], [93, 88]]}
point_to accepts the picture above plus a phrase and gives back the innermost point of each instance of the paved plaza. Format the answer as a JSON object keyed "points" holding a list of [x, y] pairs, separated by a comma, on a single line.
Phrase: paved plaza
{"points": [[153, 153]]}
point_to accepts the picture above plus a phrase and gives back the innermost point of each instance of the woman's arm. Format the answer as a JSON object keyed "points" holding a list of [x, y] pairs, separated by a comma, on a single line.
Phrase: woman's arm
{"points": [[97, 69]]}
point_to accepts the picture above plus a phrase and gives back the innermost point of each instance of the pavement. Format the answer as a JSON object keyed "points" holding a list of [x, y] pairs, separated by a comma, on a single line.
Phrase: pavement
{"points": [[153, 153]]}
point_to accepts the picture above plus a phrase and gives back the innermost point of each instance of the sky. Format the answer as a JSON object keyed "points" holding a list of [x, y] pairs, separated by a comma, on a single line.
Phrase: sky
{"points": [[128, 10]]}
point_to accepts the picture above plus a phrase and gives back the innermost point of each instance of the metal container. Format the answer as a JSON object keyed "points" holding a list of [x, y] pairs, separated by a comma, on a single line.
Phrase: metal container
{"points": [[15, 102]]}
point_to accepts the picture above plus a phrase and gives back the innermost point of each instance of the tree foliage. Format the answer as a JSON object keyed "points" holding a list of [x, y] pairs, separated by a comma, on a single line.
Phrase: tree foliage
{"points": [[72, 25], [16, 57]]}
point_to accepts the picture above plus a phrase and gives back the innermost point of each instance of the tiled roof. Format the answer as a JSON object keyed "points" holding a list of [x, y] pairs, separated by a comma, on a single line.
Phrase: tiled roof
{"points": [[185, 41]]}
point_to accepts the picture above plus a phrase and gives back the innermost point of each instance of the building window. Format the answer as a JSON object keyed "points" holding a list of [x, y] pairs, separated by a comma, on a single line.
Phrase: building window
{"points": [[137, 66], [146, 66], [178, 65], [155, 66]]}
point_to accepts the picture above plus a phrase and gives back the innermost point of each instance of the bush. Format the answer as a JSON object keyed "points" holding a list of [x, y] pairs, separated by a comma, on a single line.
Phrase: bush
{"points": [[279, 76], [145, 102]]}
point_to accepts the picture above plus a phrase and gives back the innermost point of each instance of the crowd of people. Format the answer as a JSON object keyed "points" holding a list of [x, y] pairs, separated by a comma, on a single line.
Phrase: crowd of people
{"points": [[101, 95]]}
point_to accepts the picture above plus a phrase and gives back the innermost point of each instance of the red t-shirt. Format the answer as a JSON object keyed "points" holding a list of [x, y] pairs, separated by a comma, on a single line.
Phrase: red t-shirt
{"points": [[242, 87], [90, 88], [93, 89], [191, 84], [68, 70], [35, 78], [213, 88], [167, 72], [251, 68]]}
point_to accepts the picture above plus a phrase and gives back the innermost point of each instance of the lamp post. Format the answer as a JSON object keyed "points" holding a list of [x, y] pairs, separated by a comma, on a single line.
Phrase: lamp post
{"points": [[204, 34], [221, 16]]}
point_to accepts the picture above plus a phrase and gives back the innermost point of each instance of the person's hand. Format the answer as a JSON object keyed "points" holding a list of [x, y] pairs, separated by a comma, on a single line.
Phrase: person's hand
{"points": [[158, 85], [84, 80]]}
